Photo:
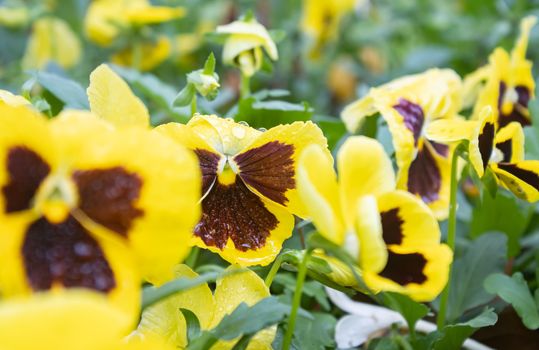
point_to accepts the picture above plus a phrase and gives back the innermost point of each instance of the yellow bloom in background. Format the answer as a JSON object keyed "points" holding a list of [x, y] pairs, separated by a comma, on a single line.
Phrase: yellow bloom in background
{"points": [[509, 82], [164, 319], [9, 98], [51, 40], [501, 150], [151, 54], [14, 17], [321, 20], [249, 184], [105, 19], [244, 44], [394, 236], [408, 105], [74, 319], [79, 211]]}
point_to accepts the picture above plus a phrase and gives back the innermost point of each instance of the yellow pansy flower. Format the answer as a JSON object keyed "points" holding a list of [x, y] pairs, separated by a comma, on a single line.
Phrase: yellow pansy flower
{"points": [[509, 82], [79, 211], [394, 235], [51, 40], [165, 321], [321, 20], [409, 104], [105, 19], [66, 320], [249, 189], [244, 44], [151, 54], [501, 150]]}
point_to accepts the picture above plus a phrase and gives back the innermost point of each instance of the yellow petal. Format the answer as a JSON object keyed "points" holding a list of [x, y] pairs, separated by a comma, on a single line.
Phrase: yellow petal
{"points": [[13, 100], [288, 141], [318, 189], [68, 320], [450, 130], [355, 113], [509, 141], [519, 51], [251, 28], [230, 292], [152, 54], [372, 249], [164, 318], [104, 20], [111, 98], [154, 14], [521, 178], [52, 40], [472, 85], [364, 168]]}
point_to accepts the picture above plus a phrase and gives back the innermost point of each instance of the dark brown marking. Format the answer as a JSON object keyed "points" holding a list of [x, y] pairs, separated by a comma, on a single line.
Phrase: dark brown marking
{"points": [[405, 268], [506, 147], [208, 162], [233, 211], [527, 176], [26, 170], [67, 254], [413, 117], [108, 197], [517, 113], [392, 226], [424, 177], [486, 143], [440, 148], [269, 169]]}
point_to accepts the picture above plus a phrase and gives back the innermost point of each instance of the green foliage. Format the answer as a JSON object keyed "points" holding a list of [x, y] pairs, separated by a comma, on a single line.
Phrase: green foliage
{"points": [[193, 324], [66, 90], [412, 311]]}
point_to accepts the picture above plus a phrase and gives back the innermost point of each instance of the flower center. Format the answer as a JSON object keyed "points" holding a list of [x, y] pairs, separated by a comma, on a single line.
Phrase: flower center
{"points": [[510, 98], [55, 198], [227, 170]]}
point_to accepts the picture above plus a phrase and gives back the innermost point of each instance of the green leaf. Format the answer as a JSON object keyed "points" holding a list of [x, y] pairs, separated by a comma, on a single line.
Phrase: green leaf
{"points": [[244, 320], [453, 336], [277, 35], [267, 114], [265, 93], [490, 182], [312, 289], [193, 325], [185, 96], [333, 128], [209, 66], [316, 333], [243, 342], [486, 255], [515, 291], [71, 93], [411, 310], [503, 213]]}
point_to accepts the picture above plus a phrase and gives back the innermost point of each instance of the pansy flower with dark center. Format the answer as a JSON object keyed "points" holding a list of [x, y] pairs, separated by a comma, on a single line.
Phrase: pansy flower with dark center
{"points": [[506, 82], [248, 184], [408, 105], [393, 234], [500, 150], [78, 210]]}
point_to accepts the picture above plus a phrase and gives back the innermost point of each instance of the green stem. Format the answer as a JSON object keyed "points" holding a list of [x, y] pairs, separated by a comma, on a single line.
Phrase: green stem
{"points": [[451, 233], [302, 272], [192, 258], [245, 88], [194, 105], [273, 271]]}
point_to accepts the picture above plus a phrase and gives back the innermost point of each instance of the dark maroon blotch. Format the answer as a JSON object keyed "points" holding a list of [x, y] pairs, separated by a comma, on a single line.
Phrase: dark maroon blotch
{"points": [[486, 143], [527, 176], [67, 254], [424, 177], [516, 114], [208, 162], [506, 147], [413, 117], [405, 268], [108, 197], [26, 170], [233, 211], [269, 169], [392, 226]]}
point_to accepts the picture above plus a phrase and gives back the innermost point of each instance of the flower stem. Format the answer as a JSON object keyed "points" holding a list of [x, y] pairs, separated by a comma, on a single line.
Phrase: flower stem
{"points": [[451, 233], [273, 271], [245, 88], [194, 105], [302, 272]]}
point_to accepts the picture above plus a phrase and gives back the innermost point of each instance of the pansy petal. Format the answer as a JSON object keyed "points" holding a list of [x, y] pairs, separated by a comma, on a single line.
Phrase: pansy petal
{"points": [[364, 168], [482, 141], [26, 160], [165, 319], [406, 221], [39, 255], [355, 113], [519, 50], [318, 189], [141, 204], [153, 14], [268, 165], [450, 130], [242, 227], [112, 99], [234, 289], [13, 100], [472, 85], [421, 272], [67, 320], [372, 248], [254, 29], [509, 141], [153, 53], [521, 178]]}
